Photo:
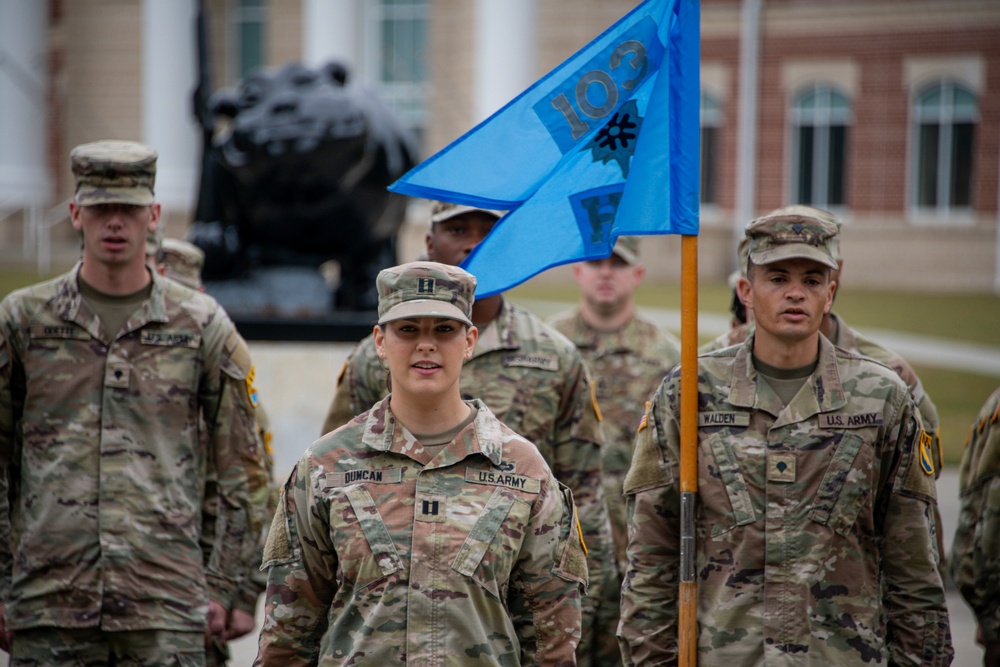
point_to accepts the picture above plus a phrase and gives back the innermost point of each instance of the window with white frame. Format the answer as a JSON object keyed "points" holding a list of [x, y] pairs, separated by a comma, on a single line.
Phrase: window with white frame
{"points": [[711, 122], [945, 116], [397, 51], [249, 22], [821, 116]]}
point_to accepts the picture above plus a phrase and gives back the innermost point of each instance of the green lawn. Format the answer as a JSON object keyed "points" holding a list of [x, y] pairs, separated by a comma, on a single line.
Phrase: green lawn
{"points": [[967, 317]]}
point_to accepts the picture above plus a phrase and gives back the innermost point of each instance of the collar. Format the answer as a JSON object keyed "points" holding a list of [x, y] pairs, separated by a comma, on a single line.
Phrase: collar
{"points": [[844, 339], [619, 340], [384, 433], [72, 307], [499, 334], [826, 395]]}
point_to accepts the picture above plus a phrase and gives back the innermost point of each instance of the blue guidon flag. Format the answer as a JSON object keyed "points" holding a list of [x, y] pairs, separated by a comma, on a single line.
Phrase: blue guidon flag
{"points": [[604, 145]]}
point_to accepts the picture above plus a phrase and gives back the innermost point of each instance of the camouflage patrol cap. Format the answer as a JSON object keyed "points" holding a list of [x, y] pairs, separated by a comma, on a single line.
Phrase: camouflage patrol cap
{"points": [[627, 247], [182, 262], [114, 172], [803, 209], [773, 238], [425, 289], [743, 251], [443, 210]]}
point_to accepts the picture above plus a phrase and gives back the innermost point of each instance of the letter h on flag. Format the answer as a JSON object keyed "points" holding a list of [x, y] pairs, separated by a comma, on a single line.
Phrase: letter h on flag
{"points": [[604, 145]]}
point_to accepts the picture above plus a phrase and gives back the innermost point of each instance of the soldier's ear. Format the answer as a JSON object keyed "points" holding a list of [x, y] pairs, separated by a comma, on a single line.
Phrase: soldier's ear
{"points": [[744, 292], [379, 337]]}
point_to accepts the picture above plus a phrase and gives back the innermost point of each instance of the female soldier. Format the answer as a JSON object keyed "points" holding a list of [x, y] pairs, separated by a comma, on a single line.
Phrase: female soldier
{"points": [[424, 531]]}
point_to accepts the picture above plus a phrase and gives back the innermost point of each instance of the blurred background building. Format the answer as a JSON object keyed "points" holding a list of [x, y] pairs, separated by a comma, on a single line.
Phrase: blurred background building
{"points": [[886, 112]]}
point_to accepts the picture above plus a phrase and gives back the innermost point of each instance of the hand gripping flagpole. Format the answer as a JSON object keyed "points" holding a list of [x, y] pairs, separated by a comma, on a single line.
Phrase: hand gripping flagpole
{"points": [[687, 600]]}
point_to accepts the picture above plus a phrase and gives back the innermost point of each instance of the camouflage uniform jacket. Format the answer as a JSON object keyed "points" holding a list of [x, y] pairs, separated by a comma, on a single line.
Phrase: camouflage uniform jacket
{"points": [[536, 383], [847, 338], [975, 554], [381, 553], [814, 537], [103, 461], [627, 366]]}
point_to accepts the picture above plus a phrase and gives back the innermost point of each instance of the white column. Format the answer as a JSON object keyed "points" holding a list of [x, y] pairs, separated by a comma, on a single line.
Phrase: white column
{"points": [[331, 30], [24, 181], [169, 75], [505, 53], [746, 158]]}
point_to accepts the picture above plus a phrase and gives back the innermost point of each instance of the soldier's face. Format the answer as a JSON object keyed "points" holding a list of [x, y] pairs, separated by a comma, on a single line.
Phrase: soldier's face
{"points": [[425, 354], [451, 241], [789, 298], [606, 285], [115, 234]]}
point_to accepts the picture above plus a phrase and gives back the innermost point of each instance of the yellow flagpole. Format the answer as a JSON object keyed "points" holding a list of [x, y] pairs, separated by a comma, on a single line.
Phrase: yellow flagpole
{"points": [[687, 601]]}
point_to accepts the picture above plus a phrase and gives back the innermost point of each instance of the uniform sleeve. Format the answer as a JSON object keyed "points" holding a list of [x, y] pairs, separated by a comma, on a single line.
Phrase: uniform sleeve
{"points": [[547, 581], [576, 462], [975, 553], [257, 578], [648, 629], [228, 399], [917, 631], [302, 566], [11, 403], [360, 385]]}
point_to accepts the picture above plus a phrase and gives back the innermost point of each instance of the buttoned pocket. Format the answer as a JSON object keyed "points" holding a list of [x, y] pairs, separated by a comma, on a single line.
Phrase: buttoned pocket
{"points": [[365, 556], [846, 485], [722, 488], [489, 551]]}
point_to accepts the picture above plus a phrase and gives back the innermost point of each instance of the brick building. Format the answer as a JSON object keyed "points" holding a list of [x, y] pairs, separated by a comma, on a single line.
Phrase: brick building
{"points": [[884, 111]]}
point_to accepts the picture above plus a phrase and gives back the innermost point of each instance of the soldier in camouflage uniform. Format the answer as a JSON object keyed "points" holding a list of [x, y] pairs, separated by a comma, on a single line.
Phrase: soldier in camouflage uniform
{"points": [[975, 552], [533, 379], [104, 373], [627, 356], [183, 262], [424, 531], [843, 336], [813, 525]]}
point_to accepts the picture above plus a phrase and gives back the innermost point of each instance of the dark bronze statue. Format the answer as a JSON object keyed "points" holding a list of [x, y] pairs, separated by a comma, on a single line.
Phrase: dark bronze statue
{"points": [[296, 175]]}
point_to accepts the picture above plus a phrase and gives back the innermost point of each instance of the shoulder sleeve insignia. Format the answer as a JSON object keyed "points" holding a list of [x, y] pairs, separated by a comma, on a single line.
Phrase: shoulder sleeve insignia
{"points": [[919, 476], [251, 389], [926, 453]]}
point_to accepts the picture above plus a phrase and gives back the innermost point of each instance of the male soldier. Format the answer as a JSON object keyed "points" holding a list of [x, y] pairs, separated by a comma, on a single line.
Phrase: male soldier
{"points": [[532, 378], [813, 525], [183, 262], [843, 336], [975, 552], [104, 373], [627, 356]]}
